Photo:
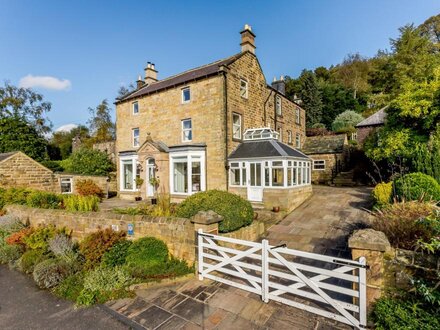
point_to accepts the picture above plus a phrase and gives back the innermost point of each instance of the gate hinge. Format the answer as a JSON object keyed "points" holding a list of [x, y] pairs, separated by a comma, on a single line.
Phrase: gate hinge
{"points": [[278, 246], [348, 263]]}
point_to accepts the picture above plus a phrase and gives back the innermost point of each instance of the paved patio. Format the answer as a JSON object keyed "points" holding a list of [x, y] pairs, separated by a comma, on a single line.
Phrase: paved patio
{"points": [[320, 225]]}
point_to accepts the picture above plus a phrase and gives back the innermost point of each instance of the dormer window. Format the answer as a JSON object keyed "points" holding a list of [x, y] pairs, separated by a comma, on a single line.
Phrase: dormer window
{"points": [[186, 95], [278, 105], [243, 88], [135, 106]]}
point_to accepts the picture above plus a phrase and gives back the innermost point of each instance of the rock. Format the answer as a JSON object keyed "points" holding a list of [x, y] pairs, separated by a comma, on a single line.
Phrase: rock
{"points": [[369, 239], [206, 217]]}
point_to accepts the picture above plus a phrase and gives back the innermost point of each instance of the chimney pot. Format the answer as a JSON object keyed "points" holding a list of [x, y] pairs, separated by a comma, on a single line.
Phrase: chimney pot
{"points": [[150, 73]]}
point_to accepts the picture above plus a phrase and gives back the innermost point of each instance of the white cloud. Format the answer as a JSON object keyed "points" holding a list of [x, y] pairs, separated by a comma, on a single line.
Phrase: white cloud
{"points": [[66, 128], [46, 82]]}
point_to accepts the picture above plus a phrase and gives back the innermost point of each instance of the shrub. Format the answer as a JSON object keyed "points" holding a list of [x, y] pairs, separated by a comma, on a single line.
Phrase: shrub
{"points": [[51, 272], [81, 203], [146, 254], [401, 223], [88, 188], [382, 194], [116, 255], [17, 237], [9, 224], [70, 287], [43, 200], [346, 119], [53, 165], [13, 196], [99, 284], [395, 314], [9, 253], [40, 237], [30, 259], [96, 244], [89, 162], [236, 211], [414, 186], [63, 248]]}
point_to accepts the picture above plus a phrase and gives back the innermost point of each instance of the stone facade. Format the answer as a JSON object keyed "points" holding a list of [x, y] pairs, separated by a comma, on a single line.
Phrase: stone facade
{"points": [[21, 171], [325, 175], [215, 97], [364, 132], [101, 181]]}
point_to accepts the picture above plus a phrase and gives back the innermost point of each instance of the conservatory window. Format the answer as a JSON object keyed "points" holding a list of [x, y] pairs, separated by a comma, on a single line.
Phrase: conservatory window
{"points": [[277, 174]]}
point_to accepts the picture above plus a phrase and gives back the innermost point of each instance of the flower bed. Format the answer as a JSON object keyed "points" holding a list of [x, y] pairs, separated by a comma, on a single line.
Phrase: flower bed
{"points": [[101, 267]]}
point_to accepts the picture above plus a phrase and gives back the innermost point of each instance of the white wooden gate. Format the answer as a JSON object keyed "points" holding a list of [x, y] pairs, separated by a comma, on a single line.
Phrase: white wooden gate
{"points": [[330, 287]]}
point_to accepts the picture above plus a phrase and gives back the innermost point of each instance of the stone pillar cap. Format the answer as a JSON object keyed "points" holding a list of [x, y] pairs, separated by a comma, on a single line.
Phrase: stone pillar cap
{"points": [[369, 239], [206, 218]]}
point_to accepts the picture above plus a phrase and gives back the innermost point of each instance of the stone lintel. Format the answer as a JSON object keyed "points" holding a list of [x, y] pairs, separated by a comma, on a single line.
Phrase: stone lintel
{"points": [[369, 239]]}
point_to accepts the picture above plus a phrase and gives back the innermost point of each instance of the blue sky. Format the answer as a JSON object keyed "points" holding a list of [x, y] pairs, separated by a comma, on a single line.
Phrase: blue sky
{"points": [[93, 47]]}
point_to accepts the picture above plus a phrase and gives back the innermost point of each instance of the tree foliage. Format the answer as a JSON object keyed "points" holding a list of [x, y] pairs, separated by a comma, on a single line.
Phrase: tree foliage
{"points": [[18, 135], [26, 105], [63, 140], [353, 73], [89, 162], [102, 128], [347, 119]]}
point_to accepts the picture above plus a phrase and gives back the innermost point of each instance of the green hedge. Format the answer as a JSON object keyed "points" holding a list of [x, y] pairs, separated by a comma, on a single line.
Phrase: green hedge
{"points": [[415, 185], [236, 211]]}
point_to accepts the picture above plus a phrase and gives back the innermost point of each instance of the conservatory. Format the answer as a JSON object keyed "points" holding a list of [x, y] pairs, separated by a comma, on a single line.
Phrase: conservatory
{"points": [[265, 170]]}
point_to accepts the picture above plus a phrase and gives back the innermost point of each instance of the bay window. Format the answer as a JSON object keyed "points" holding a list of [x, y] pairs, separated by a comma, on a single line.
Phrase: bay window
{"points": [[129, 170], [187, 172]]}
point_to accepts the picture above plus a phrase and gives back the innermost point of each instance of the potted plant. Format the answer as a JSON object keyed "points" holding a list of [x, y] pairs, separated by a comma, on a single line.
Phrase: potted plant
{"points": [[155, 183], [139, 182]]}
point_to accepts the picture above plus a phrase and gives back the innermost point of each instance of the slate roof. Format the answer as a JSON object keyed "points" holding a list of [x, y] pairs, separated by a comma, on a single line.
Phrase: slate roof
{"points": [[264, 148], [182, 78], [378, 118], [327, 144], [6, 155]]}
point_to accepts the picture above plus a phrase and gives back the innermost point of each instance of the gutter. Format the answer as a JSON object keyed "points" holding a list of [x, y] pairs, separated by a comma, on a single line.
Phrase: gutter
{"points": [[223, 71]]}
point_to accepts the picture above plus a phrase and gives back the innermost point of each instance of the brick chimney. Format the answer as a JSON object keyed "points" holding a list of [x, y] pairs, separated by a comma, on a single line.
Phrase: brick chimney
{"points": [[247, 39], [279, 85], [140, 83], [150, 73]]}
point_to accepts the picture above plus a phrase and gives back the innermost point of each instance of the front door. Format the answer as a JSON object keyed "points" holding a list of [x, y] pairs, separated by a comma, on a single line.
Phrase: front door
{"points": [[151, 165], [255, 186]]}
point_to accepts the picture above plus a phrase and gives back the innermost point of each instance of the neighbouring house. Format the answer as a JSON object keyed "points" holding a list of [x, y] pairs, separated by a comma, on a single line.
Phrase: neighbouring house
{"points": [[108, 147], [21, 171], [328, 154], [370, 125], [194, 131]]}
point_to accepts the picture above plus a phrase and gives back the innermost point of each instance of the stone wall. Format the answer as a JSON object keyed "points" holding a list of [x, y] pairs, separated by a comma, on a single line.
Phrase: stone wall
{"points": [[179, 234], [21, 171], [363, 133], [101, 181], [324, 176], [287, 199]]}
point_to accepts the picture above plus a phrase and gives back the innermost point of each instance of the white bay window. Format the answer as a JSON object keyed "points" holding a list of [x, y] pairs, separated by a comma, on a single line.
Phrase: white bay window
{"points": [[187, 172], [129, 170]]}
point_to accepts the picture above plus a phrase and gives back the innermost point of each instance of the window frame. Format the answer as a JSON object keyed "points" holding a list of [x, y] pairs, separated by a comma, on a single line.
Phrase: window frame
{"points": [[322, 163], [184, 139], [188, 88], [133, 159], [71, 185], [245, 87], [191, 157], [133, 137], [135, 113], [298, 116], [289, 137], [298, 141], [240, 126], [278, 106]]}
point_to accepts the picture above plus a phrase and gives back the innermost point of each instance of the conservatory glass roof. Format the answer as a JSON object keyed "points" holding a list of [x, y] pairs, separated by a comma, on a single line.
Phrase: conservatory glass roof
{"points": [[264, 133]]}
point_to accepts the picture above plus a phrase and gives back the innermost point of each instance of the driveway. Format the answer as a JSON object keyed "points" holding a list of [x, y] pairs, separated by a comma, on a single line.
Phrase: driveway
{"points": [[321, 225], [24, 306]]}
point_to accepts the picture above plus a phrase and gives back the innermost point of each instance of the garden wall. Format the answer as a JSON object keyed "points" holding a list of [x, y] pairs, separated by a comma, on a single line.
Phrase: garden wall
{"points": [[179, 234]]}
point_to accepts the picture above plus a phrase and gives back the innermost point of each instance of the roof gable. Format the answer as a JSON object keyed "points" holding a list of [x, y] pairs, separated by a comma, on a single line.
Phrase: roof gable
{"points": [[14, 154], [377, 118], [326, 144]]}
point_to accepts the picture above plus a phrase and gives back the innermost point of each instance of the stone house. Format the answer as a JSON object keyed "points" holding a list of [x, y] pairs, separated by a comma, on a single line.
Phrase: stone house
{"points": [[182, 131], [370, 124], [21, 171], [327, 152]]}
